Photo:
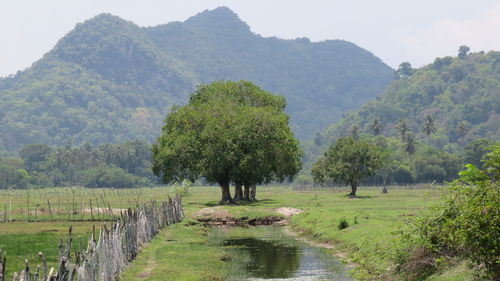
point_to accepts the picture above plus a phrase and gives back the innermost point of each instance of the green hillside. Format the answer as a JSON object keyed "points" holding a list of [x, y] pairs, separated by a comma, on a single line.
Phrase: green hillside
{"points": [[109, 80], [461, 95]]}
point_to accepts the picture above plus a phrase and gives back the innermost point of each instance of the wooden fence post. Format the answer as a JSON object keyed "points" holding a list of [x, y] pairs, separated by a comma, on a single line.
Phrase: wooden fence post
{"points": [[50, 210], [3, 260]]}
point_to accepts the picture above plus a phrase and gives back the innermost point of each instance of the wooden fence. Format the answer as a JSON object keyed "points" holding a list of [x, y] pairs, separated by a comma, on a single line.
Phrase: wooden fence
{"points": [[346, 188], [106, 257]]}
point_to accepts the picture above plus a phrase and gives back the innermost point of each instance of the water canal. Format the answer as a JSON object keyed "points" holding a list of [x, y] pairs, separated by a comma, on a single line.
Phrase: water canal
{"points": [[267, 252]]}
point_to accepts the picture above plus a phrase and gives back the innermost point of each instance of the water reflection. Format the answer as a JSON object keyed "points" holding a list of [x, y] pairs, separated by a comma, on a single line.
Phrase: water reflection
{"points": [[267, 253], [268, 259]]}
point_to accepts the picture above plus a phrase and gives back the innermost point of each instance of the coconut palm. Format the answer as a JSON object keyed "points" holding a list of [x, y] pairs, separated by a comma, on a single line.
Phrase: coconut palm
{"points": [[376, 126], [429, 127], [410, 144], [402, 128], [462, 129]]}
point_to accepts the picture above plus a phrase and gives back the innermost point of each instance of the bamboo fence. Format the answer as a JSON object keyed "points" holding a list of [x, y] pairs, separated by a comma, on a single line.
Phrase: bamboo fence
{"points": [[106, 257]]}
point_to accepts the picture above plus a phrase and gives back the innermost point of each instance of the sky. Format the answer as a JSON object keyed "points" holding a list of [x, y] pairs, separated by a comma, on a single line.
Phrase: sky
{"points": [[416, 31]]}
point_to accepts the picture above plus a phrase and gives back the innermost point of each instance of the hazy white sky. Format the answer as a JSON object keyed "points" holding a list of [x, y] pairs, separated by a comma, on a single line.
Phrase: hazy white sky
{"points": [[394, 30]]}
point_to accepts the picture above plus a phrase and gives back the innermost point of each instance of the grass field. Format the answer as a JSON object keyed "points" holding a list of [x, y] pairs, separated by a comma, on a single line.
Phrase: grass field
{"points": [[180, 252], [73, 204], [373, 220], [34, 229]]}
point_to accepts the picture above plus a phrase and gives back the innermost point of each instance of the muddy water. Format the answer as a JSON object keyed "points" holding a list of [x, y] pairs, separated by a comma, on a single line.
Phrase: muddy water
{"points": [[258, 253]]}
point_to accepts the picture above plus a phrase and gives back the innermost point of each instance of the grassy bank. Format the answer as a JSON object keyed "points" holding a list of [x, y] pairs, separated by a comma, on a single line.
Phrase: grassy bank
{"points": [[373, 220], [178, 253]]}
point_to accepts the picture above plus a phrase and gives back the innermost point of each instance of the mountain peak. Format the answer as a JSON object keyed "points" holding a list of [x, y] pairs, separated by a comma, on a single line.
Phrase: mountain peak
{"points": [[105, 18], [221, 17]]}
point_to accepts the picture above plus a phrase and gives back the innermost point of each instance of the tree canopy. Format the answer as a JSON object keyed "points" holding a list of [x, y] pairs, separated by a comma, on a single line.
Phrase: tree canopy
{"points": [[348, 161], [224, 136]]}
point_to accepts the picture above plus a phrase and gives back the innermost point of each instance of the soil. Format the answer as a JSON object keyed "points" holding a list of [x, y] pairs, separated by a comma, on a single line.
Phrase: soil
{"points": [[288, 212], [217, 216]]}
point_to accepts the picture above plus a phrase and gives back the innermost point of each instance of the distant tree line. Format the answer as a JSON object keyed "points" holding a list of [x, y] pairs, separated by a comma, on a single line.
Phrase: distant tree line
{"points": [[391, 161], [109, 165]]}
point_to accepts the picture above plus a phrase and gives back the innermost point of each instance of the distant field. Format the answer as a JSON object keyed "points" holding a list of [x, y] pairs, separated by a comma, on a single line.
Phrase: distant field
{"points": [[73, 204], [26, 231]]}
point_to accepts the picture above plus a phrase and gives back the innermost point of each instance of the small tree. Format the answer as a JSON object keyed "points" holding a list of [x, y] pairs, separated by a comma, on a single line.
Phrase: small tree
{"points": [[429, 127], [348, 161], [354, 131], [376, 126], [402, 128], [463, 129], [463, 51], [475, 150], [410, 144], [404, 70]]}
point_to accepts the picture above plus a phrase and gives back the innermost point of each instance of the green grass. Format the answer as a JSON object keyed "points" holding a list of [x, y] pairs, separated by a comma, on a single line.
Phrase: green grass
{"points": [[34, 229], [22, 240], [366, 243], [378, 216], [179, 252], [73, 203], [455, 272]]}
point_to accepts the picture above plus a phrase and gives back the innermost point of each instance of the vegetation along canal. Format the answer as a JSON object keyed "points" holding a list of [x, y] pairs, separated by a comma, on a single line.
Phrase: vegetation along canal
{"points": [[267, 252]]}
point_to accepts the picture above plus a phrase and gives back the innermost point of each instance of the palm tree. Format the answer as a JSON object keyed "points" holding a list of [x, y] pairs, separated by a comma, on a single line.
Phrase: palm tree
{"points": [[410, 145], [354, 131], [376, 126], [429, 127], [402, 128], [462, 129]]}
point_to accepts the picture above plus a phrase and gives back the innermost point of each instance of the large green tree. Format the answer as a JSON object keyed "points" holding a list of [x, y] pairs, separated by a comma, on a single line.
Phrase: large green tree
{"points": [[229, 132], [244, 93], [348, 161]]}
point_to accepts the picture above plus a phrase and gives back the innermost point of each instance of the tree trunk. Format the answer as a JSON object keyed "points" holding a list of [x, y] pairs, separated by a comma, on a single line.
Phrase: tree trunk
{"points": [[238, 192], [246, 195], [226, 194], [354, 187], [253, 192]]}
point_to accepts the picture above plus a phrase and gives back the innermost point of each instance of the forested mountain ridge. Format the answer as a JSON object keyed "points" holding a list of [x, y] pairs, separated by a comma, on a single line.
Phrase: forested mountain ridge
{"points": [[109, 80], [461, 95], [319, 80]]}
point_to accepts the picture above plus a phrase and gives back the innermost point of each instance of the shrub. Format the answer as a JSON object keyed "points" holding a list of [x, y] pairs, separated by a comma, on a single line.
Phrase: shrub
{"points": [[343, 224], [183, 188], [111, 176], [465, 223]]}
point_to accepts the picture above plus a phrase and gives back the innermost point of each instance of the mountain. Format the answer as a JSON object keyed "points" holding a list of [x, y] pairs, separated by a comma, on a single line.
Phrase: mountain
{"points": [[109, 80], [462, 96]]}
